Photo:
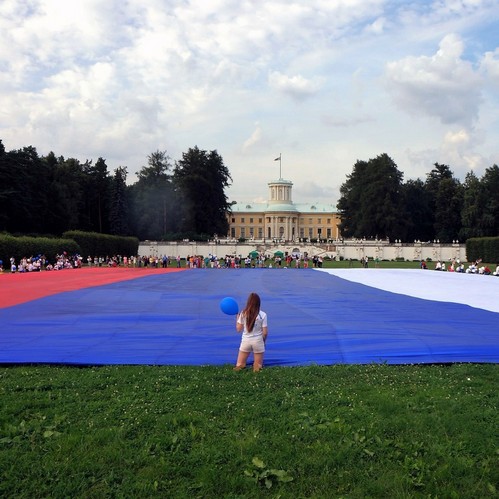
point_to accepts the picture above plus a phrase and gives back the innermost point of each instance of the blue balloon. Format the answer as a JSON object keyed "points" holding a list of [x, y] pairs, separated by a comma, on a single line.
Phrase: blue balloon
{"points": [[229, 306]]}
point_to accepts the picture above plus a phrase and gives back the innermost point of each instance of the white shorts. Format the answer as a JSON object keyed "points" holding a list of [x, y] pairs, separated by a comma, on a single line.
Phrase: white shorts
{"points": [[253, 344]]}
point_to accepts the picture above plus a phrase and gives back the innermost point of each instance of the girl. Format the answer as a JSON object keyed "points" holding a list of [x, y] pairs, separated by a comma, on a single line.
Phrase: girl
{"points": [[253, 323]]}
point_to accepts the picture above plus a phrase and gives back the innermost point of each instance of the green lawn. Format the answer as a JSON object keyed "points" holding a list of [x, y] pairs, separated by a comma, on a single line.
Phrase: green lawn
{"points": [[319, 431]]}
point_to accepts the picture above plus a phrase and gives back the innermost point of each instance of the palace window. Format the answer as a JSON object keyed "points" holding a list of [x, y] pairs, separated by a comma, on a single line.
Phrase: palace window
{"points": [[242, 220], [251, 220]]}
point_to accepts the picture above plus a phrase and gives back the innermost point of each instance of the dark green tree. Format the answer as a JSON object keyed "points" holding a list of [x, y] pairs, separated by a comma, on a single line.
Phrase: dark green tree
{"points": [[350, 201], [446, 194], [371, 203], [6, 190], [154, 207], [473, 204], [24, 196], [201, 178], [97, 197], [119, 209], [419, 215], [489, 221], [67, 193]]}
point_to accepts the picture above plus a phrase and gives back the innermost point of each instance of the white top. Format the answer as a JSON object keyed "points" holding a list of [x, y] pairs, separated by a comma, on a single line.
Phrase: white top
{"points": [[260, 323]]}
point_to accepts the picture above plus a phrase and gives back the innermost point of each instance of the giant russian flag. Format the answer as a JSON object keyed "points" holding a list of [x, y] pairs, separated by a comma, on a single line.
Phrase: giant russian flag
{"points": [[153, 316]]}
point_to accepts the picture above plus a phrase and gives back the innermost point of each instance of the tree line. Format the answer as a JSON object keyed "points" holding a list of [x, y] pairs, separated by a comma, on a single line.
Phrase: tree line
{"points": [[376, 203], [49, 195], [172, 200]]}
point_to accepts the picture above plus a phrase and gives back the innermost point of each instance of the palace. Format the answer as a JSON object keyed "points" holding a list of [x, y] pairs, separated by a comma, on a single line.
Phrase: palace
{"points": [[280, 219]]}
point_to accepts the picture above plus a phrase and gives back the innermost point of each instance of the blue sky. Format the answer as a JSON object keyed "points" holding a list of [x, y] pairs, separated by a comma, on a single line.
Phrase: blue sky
{"points": [[324, 82]]}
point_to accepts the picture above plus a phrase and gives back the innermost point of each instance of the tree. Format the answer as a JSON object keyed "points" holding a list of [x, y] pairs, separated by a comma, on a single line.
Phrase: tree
{"points": [[24, 199], [201, 178], [489, 221], [446, 195], [154, 207], [158, 167], [419, 216], [472, 210], [350, 201], [118, 213], [371, 202], [67, 193], [6, 190], [97, 196]]}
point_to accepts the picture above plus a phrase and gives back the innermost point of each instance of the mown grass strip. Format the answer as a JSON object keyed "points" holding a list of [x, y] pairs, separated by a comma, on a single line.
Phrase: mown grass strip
{"points": [[318, 431]]}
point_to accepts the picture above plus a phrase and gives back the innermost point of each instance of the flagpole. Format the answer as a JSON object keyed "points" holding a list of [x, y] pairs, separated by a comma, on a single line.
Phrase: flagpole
{"points": [[280, 165]]}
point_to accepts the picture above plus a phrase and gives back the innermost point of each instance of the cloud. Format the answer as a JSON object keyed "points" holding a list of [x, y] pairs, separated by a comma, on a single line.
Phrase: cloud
{"points": [[444, 85], [490, 68], [311, 191], [457, 148], [346, 122], [254, 139], [296, 86], [121, 79], [377, 27]]}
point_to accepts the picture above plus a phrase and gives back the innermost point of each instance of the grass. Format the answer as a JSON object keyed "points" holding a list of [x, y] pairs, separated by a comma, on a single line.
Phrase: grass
{"points": [[317, 431]]}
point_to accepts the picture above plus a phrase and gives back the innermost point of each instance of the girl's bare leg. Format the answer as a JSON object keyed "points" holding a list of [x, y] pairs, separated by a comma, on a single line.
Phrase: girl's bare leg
{"points": [[242, 358], [257, 361]]}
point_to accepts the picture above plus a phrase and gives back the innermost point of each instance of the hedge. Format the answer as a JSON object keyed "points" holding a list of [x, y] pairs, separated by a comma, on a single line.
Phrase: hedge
{"points": [[485, 248], [25, 246], [95, 244]]}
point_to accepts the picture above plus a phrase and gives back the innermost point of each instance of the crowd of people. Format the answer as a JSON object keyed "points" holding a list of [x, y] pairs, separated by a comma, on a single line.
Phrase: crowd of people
{"points": [[41, 262], [260, 260], [65, 261], [456, 265]]}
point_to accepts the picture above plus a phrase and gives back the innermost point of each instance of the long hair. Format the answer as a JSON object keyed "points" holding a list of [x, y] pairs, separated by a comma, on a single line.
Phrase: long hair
{"points": [[251, 311]]}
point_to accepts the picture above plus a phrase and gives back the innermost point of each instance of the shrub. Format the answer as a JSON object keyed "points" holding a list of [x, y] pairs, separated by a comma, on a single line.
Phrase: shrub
{"points": [[25, 246], [486, 248], [96, 244]]}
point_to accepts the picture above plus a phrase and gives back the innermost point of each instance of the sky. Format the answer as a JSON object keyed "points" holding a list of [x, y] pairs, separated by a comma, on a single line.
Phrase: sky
{"points": [[319, 83]]}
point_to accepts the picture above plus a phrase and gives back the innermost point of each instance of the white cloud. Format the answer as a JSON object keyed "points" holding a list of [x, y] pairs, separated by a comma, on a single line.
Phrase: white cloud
{"points": [[311, 191], [458, 148], [121, 79], [490, 68], [296, 86], [254, 139], [444, 85], [377, 27]]}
